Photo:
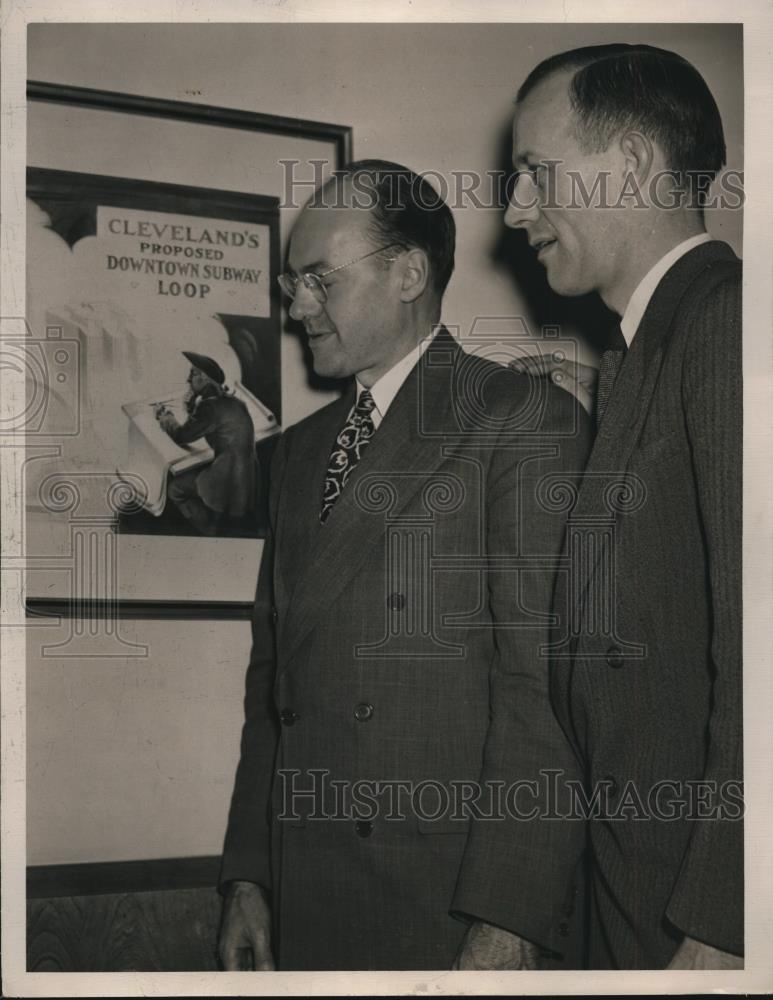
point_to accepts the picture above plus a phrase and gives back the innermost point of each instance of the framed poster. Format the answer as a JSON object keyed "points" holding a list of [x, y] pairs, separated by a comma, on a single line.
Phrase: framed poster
{"points": [[152, 350], [127, 278]]}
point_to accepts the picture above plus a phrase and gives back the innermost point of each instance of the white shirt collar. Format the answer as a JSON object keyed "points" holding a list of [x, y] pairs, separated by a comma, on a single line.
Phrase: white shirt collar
{"points": [[644, 291], [386, 388]]}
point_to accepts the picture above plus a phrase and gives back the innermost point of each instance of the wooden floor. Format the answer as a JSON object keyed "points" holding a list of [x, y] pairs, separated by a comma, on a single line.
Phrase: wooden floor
{"points": [[151, 922]]}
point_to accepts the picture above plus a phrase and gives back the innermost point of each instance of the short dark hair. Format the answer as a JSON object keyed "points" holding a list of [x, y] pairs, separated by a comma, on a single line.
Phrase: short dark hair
{"points": [[618, 87], [406, 211]]}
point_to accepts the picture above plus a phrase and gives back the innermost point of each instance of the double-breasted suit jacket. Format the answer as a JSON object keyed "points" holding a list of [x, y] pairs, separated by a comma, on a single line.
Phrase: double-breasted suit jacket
{"points": [[646, 678], [399, 642]]}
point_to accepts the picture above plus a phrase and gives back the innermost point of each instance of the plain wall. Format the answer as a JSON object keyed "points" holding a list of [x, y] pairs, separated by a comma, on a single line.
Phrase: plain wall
{"points": [[134, 757]]}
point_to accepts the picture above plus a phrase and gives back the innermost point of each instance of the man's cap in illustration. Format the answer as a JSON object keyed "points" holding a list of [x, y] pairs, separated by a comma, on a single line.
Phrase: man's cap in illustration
{"points": [[207, 365]]}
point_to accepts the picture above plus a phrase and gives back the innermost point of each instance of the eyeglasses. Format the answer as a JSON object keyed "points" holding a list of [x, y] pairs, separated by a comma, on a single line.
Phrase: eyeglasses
{"points": [[288, 281]]}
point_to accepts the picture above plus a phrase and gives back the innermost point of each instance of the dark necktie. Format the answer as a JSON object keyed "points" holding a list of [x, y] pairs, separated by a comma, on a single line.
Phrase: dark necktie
{"points": [[611, 362], [352, 440]]}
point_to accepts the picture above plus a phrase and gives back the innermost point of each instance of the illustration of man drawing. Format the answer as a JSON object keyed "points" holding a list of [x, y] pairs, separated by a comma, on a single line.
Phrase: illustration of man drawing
{"points": [[227, 487]]}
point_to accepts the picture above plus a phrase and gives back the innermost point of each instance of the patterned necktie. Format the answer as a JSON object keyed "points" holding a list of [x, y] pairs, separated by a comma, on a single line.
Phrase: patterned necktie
{"points": [[349, 446], [611, 363]]}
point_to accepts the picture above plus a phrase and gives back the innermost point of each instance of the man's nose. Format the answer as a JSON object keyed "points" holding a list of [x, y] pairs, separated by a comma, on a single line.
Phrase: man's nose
{"points": [[523, 206], [304, 303]]}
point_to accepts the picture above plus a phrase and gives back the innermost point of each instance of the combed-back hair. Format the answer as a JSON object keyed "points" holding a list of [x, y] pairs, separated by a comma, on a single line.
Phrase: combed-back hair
{"points": [[406, 211], [616, 88]]}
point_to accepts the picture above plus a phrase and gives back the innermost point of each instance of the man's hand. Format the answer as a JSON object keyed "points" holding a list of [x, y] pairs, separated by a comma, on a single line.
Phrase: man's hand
{"points": [[189, 400], [692, 954], [488, 947], [245, 929], [575, 377], [167, 420]]}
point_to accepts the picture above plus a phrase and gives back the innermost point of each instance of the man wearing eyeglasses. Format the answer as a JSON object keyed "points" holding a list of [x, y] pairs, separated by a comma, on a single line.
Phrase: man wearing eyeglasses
{"points": [[397, 681]]}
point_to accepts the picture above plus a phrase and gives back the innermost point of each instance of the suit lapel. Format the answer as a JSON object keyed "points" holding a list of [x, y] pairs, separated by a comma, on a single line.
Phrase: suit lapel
{"points": [[298, 519], [632, 394], [621, 427], [334, 552]]}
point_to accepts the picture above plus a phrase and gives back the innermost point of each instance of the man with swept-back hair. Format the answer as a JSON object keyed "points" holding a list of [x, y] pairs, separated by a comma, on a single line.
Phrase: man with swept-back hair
{"points": [[396, 682], [615, 148]]}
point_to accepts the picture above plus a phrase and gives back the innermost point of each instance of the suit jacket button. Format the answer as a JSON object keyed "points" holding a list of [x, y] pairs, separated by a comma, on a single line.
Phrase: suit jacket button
{"points": [[363, 712], [395, 602], [288, 717], [615, 657], [363, 828], [274, 615]]}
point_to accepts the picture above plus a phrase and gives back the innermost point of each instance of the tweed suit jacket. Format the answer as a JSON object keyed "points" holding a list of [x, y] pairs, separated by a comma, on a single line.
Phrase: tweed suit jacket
{"points": [[646, 676], [375, 661]]}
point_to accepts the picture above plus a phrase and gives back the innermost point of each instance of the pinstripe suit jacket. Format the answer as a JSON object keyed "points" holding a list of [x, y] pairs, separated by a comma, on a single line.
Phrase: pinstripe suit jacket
{"points": [[381, 665], [646, 677]]}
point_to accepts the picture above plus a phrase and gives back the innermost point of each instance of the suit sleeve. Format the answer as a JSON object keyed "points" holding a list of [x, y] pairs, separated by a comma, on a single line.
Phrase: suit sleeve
{"points": [[199, 423], [707, 901], [246, 852], [517, 873]]}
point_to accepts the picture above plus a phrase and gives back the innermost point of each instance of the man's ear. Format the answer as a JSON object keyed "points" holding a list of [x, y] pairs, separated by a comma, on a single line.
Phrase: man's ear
{"points": [[415, 274], [639, 156]]}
